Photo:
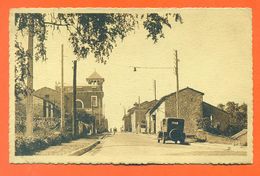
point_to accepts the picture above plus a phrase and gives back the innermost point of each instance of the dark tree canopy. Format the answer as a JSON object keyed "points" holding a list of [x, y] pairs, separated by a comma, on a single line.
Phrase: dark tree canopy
{"points": [[95, 33]]}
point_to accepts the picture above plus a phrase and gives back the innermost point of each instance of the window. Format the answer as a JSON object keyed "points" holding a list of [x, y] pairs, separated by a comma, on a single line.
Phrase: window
{"points": [[94, 101], [79, 104]]}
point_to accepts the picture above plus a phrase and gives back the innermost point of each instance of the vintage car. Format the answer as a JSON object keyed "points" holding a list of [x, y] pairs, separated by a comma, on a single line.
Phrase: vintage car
{"points": [[172, 129]]}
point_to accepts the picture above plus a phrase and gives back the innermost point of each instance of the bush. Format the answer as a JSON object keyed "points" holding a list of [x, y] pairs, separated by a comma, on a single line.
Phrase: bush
{"points": [[30, 145]]}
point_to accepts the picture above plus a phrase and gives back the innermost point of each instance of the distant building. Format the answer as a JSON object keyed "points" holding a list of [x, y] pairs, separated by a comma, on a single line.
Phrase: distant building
{"points": [[191, 108], [127, 125], [89, 98], [46, 102], [134, 120]]}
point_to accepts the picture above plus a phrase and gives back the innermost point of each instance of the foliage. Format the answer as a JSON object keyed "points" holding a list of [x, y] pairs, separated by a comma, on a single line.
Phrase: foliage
{"points": [[20, 114], [88, 33], [237, 121], [238, 117], [205, 124], [84, 117], [30, 145]]}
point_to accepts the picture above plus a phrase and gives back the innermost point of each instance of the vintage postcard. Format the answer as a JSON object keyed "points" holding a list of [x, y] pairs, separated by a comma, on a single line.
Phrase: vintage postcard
{"points": [[131, 86]]}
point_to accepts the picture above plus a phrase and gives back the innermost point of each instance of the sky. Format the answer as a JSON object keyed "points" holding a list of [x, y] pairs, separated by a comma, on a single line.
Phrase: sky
{"points": [[214, 49]]}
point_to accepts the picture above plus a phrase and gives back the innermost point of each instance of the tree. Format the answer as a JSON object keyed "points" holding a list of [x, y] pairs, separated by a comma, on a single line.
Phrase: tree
{"points": [[88, 33], [221, 106], [238, 117]]}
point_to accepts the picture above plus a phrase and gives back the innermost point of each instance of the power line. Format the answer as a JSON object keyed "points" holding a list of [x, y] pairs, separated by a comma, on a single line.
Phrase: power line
{"points": [[140, 67], [151, 67]]}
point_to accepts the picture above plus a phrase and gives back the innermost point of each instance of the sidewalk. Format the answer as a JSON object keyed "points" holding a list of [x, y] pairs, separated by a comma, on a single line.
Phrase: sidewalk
{"points": [[72, 148]]}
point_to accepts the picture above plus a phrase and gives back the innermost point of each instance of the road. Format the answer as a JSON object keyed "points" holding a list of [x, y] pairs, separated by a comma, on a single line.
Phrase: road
{"points": [[130, 148]]}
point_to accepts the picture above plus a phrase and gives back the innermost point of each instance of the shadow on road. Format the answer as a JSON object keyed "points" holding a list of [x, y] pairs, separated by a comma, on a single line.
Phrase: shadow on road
{"points": [[185, 143]]}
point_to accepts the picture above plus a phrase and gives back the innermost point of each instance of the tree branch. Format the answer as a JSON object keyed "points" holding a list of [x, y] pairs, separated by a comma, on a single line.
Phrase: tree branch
{"points": [[56, 24]]}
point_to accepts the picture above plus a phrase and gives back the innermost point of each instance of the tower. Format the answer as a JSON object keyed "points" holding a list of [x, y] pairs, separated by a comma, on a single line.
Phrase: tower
{"points": [[95, 80], [96, 94]]}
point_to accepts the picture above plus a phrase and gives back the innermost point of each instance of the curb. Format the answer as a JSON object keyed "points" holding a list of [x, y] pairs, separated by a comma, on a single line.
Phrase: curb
{"points": [[83, 150]]}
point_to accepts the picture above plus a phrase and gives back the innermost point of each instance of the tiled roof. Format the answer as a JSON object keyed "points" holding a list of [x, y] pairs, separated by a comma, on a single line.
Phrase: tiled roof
{"points": [[166, 96], [146, 105], [94, 75], [207, 104], [48, 94]]}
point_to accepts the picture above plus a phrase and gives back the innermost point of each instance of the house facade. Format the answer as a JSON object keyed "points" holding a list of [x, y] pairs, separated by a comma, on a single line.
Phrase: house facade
{"points": [[191, 108]]}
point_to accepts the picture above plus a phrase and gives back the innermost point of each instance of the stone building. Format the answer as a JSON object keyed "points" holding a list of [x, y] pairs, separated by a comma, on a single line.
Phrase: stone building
{"points": [[191, 108]]}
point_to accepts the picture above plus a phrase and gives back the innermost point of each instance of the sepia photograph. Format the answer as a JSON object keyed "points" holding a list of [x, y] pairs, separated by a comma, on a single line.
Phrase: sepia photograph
{"points": [[130, 86]]}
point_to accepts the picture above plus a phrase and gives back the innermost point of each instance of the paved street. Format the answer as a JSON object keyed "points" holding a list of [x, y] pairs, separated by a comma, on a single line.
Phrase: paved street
{"points": [[143, 148]]}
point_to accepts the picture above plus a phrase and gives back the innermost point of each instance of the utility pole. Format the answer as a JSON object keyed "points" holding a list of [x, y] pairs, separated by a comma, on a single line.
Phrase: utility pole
{"points": [[154, 84], [62, 109], [124, 111], [74, 105], [29, 103], [139, 102], [177, 82]]}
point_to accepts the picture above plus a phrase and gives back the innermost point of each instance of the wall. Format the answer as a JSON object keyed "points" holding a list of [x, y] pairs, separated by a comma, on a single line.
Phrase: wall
{"points": [[127, 123], [148, 122], [190, 108], [133, 120], [220, 119], [241, 140], [160, 114], [86, 98]]}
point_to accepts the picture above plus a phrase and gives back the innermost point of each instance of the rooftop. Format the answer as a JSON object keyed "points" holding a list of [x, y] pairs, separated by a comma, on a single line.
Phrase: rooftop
{"points": [[95, 75]]}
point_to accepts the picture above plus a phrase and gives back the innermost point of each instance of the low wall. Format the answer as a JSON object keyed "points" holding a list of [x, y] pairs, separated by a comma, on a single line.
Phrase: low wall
{"points": [[203, 136], [219, 139]]}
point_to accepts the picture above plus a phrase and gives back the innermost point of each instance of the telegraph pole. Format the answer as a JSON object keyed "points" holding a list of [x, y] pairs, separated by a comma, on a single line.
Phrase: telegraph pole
{"points": [[139, 102], [154, 84], [62, 109], [74, 105], [177, 82]]}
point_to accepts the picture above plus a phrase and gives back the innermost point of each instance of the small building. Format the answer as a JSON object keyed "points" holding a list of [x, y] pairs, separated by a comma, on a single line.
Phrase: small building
{"points": [[46, 102], [127, 125], [240, 138], [191, 108], [135, 118]]}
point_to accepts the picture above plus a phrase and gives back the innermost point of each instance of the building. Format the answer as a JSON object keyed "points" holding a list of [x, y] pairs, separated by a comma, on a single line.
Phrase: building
{"points": [[127, 125], [89, 98], [240, 138], [46, 102], [191, 108], [134, 120]]}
